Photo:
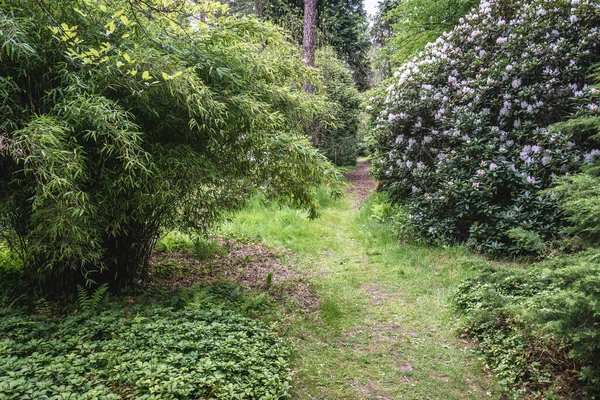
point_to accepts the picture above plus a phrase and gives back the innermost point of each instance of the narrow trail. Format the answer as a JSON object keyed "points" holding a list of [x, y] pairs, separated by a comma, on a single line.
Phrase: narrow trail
{"points": [[361, 184], [385, 328]]}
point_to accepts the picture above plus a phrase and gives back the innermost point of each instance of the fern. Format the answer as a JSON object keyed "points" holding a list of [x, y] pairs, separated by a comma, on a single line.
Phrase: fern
{"points": [[90, 303], [269, 280], [42, 307]]}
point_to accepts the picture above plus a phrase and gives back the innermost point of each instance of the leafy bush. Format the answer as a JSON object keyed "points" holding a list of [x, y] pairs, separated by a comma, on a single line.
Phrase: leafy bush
{"points": [[463, 131], [580, 193], [207, 349], [526, 241], [539, 329], [580, 201], [338, 141], [121, 120]]}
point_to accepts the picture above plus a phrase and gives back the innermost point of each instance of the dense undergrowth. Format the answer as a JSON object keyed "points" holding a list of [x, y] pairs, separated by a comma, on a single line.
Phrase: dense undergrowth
{"points": [[212, 340], [196, 343], [538, 327]]}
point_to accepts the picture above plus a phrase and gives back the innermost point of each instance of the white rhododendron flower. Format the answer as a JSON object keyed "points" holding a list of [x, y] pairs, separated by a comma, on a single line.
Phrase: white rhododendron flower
{"points": [[489, 90]]}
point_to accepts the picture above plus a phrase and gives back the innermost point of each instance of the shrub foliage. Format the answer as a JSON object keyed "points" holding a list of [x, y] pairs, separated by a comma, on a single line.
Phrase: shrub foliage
{"points": [[463, 131], [121, 118], [580, 193], [338, 140], [538, 328]]}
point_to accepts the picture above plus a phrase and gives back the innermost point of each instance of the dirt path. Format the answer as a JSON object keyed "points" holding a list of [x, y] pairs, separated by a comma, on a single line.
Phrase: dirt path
{"points": [[362, 185], [384, 327]]}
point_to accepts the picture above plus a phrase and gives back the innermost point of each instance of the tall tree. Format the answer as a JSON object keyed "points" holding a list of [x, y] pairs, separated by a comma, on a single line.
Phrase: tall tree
{"points": [[404, 27], [340, 24], [308, 39], [308, 55], [343, 26]]}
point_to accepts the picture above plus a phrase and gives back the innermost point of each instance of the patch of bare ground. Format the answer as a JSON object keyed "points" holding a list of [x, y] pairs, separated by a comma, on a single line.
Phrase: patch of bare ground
{"points": [[361, 184], [250, 265], [476, 389], [380, 295], [369, 390]]}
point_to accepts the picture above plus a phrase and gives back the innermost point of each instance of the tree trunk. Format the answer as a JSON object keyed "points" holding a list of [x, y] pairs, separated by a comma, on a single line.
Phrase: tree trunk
{"points": [[308, 54], [308, 43], [259, 8]]}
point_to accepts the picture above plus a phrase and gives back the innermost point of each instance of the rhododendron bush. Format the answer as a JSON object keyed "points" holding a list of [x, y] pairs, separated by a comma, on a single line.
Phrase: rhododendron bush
{"points": [[463, 131]]}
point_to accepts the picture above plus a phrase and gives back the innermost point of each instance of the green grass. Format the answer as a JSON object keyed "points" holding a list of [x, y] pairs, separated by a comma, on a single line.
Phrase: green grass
{"points": [[385, 328]]}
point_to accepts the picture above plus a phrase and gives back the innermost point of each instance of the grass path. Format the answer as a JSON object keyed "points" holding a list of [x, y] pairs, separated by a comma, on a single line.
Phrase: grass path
{"points": [[384, 329]]}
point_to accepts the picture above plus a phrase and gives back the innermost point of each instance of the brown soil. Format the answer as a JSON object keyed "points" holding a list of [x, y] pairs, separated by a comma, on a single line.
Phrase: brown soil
{"points": [[245, 263], [361, 183]]}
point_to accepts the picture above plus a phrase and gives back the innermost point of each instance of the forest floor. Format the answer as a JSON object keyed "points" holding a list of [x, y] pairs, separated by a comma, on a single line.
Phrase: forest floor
{"points": [[383, 326]]}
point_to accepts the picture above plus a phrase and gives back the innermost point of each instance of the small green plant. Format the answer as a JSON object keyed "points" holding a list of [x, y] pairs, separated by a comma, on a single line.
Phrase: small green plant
{"points": [[269, 280], [394, 216], [526, 241], [199, 247], [90, 302], [205, 249], [42, 307], [174, 241]]}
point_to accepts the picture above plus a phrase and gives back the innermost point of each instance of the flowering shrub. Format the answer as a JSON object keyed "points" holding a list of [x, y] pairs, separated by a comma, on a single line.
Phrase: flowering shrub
{"points": [[462, 133]]}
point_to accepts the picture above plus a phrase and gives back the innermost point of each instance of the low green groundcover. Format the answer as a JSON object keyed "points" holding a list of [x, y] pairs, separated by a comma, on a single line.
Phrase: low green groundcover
{"points": [[129, 351]]}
